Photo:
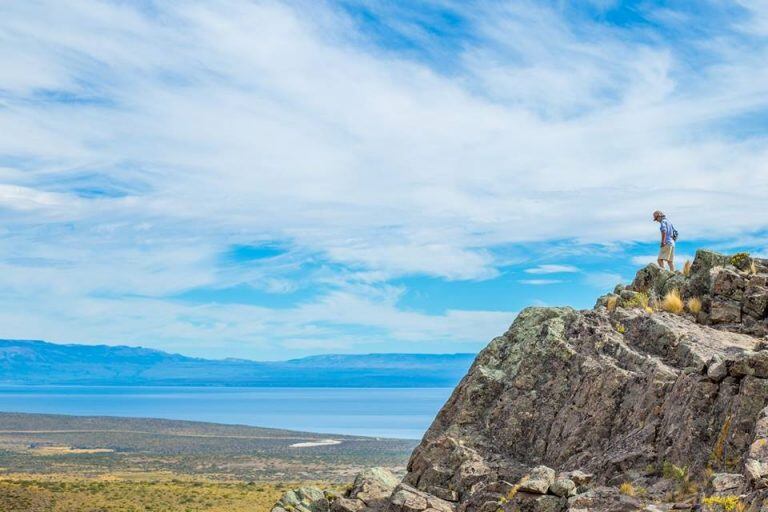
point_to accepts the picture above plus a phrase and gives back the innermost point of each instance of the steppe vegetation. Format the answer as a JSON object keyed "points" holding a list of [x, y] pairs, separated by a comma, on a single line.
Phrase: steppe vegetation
{"points": [[54, 463]]}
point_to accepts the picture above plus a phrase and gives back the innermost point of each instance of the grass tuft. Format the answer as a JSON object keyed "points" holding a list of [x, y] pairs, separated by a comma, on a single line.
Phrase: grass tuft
{"points": [[627, 489], [687, 268], [611, 302], [694, 305], [718, 451], [673, 303]]}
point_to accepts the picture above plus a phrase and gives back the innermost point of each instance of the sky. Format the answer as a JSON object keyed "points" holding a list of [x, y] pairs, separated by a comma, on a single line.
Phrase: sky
{"points": [[267, 180]]}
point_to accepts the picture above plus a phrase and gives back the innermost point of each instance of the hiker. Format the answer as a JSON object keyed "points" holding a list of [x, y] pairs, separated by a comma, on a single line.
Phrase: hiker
{"points": [[668, 237]]}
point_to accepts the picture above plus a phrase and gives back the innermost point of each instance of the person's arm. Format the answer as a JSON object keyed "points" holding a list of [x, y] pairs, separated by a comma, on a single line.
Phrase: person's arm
{"points": [[663, 236]]}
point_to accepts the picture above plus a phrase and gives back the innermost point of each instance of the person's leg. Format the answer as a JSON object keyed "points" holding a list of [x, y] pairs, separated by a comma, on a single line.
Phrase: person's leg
{"points": [[671, 258], [659, 262], [665, 254]]}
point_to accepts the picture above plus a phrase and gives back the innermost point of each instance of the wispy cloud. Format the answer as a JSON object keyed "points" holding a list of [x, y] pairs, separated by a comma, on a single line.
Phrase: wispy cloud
{"points": [[143, 140], [603, 280], [540, 282], [552, 269]]}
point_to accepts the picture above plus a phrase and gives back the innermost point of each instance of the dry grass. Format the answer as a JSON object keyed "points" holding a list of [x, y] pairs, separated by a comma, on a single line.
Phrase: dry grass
{"points": [[687, 268], [718, 451], [611, 302], [627, 489], [694, 305], [673, 303], [178, 495]]}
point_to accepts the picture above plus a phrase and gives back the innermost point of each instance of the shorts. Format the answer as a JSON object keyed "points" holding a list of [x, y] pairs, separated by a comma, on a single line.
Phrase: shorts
{"points": [[667, 252]]}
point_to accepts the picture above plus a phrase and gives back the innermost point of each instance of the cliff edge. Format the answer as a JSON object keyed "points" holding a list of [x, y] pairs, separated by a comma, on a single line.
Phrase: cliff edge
{"points": [[654, 399]]}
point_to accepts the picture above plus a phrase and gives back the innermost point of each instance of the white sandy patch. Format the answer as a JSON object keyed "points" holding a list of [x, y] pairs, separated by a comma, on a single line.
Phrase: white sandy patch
{"points": [[322, 442]]}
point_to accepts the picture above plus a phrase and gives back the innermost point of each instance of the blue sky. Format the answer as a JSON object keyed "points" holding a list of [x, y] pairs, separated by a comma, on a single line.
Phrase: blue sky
{"points": [[268, 180]]}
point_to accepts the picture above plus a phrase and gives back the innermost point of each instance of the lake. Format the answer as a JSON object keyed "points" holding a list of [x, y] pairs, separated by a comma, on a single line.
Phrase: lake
{"points": [[378, 412]]}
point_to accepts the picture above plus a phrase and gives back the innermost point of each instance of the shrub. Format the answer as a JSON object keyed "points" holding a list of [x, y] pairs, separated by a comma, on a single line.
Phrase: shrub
{"points": [[621, 329], [672, 302], [673, 472], [687, 268], [639, 300], [684, 486], [694, 305], [728, 503]]}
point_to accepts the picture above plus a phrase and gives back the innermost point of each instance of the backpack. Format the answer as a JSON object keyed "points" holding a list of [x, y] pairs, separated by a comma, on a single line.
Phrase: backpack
{"points": [[674, 234]]}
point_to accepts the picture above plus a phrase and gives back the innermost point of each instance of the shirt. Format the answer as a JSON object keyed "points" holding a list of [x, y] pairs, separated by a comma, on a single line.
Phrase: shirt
{"points": [[667, 228]]}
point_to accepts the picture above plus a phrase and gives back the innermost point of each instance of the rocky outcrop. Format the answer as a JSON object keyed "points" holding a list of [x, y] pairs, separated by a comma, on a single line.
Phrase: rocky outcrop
{"points": [[733, 290], [370, 491], [303, 499], [566, 405], [619, 393], [373, 487]]}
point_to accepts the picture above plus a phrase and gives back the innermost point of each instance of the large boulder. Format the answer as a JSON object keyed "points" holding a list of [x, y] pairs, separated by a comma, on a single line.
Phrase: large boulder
{"points": [[373, 486], [370, 492], [756, 301], [724, 311], [651, 279], [563, 487], [409, 499], [699, 281], [727, 282], [303, 499]]}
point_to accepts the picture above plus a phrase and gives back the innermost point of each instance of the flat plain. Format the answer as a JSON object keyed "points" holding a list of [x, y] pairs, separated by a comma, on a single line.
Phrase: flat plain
{"points": [[104, 464]]}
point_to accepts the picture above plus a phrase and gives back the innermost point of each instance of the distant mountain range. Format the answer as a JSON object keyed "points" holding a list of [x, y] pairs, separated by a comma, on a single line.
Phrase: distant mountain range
{"points": [[37, 362]]}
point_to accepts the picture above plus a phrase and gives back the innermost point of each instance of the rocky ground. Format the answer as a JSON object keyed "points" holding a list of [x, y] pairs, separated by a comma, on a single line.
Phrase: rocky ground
{"points": [[653, 400]]}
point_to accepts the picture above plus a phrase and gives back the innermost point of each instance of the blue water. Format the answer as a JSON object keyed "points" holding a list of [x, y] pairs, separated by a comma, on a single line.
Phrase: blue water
{"points": [[380, 412]]}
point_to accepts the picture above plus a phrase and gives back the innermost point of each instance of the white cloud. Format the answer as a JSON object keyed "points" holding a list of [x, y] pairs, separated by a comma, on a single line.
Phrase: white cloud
{"points": [[193, 126], [218, 330], [540, 282], [552, 269], [603, 280]]}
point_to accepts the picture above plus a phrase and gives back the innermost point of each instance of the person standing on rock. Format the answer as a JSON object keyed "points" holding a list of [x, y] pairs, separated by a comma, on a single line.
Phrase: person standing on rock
{"points": [[668, 237]]}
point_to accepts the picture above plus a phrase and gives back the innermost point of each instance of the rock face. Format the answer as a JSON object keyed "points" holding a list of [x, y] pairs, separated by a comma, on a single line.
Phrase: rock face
{"points": [[616, 393], [567, 404]]}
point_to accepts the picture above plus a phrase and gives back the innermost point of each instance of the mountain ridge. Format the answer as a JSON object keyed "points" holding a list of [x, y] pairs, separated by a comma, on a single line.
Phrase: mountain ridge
{"points": [[41, 362]]}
